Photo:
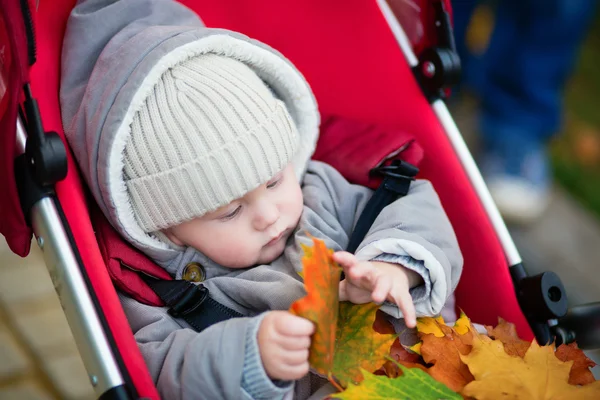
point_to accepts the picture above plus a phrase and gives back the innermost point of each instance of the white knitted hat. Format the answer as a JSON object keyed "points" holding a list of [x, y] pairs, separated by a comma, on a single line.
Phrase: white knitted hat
{"points": [[209, 132]]}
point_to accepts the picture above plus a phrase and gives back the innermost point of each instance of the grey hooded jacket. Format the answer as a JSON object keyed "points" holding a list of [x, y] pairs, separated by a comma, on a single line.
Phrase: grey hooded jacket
{"points": [[113, 53]]}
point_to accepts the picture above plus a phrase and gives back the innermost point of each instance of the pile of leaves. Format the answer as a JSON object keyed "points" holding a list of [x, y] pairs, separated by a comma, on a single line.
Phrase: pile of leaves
{"points": [[361, 355]]}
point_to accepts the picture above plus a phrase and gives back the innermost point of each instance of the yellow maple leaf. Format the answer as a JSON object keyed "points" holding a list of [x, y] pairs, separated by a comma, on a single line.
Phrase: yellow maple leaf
{"points": [[538, 375], [431, 325], [463, 324], [416, 348]]}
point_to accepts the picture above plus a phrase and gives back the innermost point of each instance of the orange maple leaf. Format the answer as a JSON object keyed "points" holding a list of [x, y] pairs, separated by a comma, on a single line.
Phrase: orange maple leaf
{"points": [[507, 334], [580, 373], [320, 305], [443, 354]]}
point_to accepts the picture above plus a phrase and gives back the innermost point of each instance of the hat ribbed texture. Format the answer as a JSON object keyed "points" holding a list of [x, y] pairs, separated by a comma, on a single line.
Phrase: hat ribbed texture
{"points": [[209, 132]]}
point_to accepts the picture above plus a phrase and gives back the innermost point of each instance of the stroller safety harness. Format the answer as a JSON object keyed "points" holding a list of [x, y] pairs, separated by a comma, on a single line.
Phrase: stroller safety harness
{"points": [[366, 61]]}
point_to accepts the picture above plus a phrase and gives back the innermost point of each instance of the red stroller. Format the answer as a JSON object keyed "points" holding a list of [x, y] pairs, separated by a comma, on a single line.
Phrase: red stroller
{"points": [[57, 211]]}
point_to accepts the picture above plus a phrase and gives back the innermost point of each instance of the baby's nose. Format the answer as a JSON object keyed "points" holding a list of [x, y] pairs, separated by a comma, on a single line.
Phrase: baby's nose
{"points": [[267, 214]]}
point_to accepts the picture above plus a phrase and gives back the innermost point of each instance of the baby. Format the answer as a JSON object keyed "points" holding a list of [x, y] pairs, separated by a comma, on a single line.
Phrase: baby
{"points": [[196, 144]]}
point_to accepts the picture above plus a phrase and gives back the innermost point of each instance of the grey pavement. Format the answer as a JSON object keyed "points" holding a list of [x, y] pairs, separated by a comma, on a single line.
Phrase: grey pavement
{"points": [[38, 356]]}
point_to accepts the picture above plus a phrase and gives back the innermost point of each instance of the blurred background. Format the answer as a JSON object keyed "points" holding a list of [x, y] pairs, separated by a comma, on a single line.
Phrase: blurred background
{"points": [[530, 111], [528, 107]]}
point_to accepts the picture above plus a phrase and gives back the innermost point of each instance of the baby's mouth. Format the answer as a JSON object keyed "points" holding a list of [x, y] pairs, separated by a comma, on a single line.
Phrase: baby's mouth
{"points": [[277, 238]]}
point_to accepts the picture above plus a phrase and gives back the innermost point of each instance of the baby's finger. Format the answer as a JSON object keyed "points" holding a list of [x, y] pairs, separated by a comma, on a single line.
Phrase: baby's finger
{"points": [[292, 325], [382, 288], [345, 259], [294, 358], [294, 343], [407, 307]]}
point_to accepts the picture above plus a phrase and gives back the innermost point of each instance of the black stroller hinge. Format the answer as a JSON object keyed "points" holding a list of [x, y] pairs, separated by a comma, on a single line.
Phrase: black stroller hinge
{"points": [[29, 31], [439, 66], [46, 154], [582, 323], [30, 191], [443, 26], [542, 298]]}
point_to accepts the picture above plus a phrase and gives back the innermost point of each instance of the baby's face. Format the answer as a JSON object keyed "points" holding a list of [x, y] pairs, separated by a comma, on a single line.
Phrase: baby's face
{"points": [[249, 231]]}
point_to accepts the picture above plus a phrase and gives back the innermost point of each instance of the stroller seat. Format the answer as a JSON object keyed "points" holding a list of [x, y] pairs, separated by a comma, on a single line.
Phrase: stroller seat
{"points": [[352, 61]]}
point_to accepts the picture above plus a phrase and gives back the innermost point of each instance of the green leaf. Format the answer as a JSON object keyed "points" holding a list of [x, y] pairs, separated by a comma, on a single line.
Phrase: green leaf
{"points": [[357, 345], [414, 384]]}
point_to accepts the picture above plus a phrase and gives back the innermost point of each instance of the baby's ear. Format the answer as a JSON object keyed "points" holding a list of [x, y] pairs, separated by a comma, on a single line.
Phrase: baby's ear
{"points": [[169, 234]]}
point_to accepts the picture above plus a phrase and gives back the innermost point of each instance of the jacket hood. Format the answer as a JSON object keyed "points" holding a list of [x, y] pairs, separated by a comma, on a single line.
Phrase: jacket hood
{"points": [[113, 56]]}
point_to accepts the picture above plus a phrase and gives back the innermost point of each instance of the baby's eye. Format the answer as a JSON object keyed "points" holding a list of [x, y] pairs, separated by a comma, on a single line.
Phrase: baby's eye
{"points": [[275, 182], [232, 214]]}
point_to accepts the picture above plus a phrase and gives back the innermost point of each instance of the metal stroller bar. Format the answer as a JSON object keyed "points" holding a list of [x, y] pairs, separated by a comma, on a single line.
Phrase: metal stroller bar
{"points": [[440, 109], [542, 297], [69, 283]]}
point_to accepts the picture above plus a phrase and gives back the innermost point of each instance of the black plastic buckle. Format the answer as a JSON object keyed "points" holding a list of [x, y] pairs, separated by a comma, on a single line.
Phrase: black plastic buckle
{"points": [[398, 169], [397, 176], [190, 300]]}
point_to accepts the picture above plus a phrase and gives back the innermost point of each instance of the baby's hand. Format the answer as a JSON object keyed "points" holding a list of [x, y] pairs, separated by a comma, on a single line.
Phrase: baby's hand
{"points": [[377, 281], [283, 342]]}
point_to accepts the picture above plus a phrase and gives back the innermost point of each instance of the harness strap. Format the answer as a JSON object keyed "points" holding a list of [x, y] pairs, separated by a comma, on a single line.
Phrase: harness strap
{"points": [[190, 302], [395, 184]]}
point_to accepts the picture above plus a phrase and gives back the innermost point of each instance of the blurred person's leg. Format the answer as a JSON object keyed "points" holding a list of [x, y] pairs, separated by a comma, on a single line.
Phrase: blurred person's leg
{"points": [[462, 11], [520, 85]]}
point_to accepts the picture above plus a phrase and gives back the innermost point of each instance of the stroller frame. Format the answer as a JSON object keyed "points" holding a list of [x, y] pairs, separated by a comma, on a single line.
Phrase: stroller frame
{"points": [[106, 368], [66, 271]]}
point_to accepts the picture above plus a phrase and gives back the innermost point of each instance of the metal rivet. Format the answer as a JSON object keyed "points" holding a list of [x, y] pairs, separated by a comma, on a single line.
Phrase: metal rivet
{"points": [[428, 69], [94, 380], [194, 272], [40, 242]]}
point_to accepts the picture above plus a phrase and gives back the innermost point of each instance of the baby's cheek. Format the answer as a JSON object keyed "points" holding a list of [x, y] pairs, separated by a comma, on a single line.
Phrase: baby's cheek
{"points": [[234, 252]]}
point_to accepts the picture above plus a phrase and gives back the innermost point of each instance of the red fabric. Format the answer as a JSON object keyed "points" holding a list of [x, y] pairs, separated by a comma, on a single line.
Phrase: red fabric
{"points": [[354, 148], [14, 72], [124, 263], [52, 16]]}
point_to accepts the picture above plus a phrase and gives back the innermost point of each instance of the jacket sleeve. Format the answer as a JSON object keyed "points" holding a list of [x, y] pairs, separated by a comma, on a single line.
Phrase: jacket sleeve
{"points": [[413, 231], [221, 362]]}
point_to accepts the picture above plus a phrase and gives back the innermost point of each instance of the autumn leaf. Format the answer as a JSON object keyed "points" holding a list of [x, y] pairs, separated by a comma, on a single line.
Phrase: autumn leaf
{"points": [[507, 334], [397, 352], [416, 348], [320, 305], [538, 375], [413, 384], [399, 355], [462, 324], [441, 346], [580, 373], [443, 354], [427, 325], [358, 346]]}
